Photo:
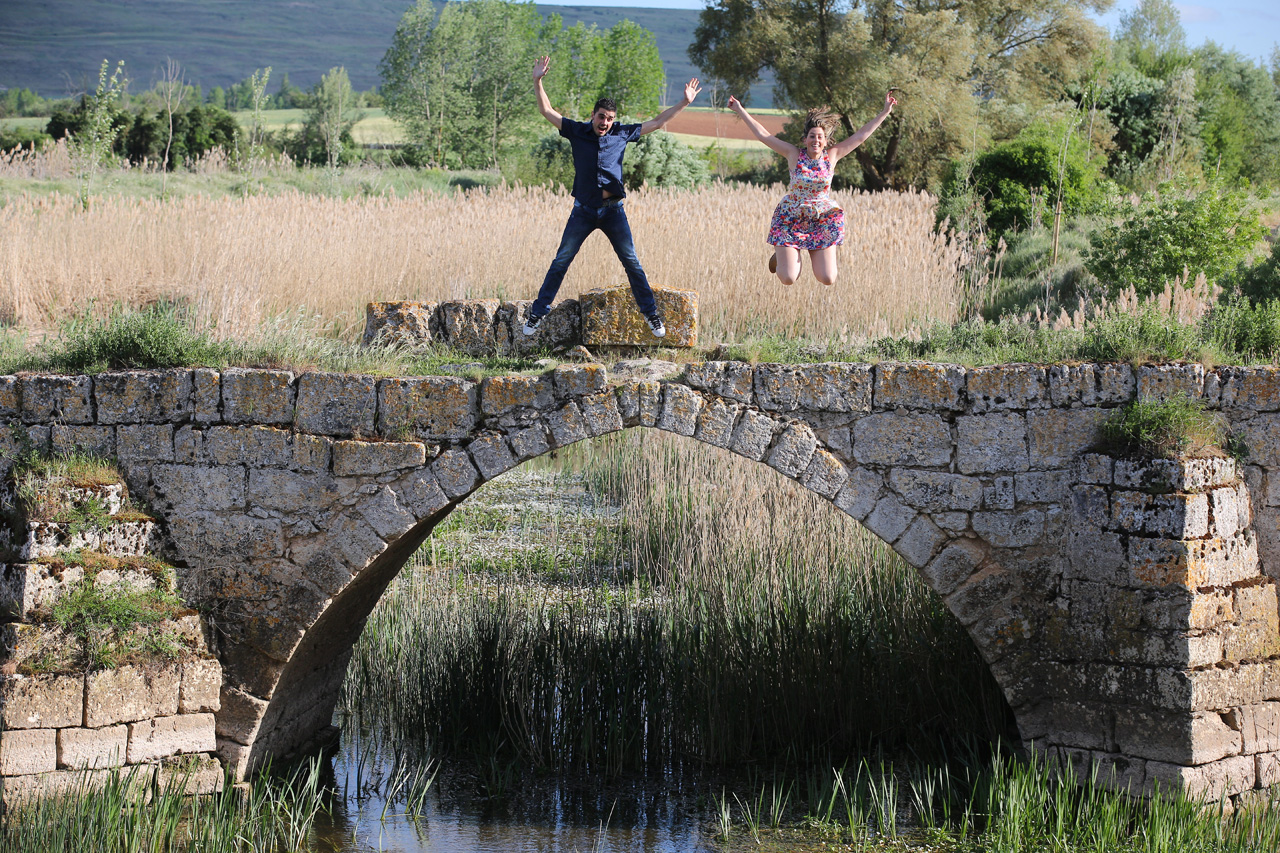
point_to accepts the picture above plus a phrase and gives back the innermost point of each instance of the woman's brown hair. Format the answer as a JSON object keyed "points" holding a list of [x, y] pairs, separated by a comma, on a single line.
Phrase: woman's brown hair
{"points": [[821, 117]]}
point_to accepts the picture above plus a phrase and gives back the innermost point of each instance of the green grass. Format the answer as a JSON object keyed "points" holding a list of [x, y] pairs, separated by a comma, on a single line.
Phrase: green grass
{"points": [[126, 813], [162, 336], [115, 624], [1165, 429]]}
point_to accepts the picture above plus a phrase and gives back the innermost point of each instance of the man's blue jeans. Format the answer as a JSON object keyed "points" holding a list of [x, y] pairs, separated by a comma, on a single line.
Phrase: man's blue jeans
{"points": [[612, 220]]}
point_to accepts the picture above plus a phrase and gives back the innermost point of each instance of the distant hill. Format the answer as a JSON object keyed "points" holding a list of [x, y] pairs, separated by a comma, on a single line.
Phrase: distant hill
{"points": [[54, 47]]}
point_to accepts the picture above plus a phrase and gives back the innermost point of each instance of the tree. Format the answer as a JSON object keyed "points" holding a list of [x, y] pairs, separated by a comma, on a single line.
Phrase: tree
{"points": [[330, 113], [1151, 39], [1175, 232], [1238, 110], [634, 77], [172, 89], [580, 63], [944, 58]]}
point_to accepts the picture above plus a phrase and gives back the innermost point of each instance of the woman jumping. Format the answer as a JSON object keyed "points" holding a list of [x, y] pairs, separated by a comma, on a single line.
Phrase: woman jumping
{"points": [[807, 218]]}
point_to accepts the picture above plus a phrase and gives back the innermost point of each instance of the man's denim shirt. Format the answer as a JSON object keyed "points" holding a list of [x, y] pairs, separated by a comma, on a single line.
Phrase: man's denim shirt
{"points": [[597, 160]]}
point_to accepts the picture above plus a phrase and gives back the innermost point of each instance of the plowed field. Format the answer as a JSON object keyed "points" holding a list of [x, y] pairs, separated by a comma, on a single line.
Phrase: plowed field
{"points": [[731, 127]]}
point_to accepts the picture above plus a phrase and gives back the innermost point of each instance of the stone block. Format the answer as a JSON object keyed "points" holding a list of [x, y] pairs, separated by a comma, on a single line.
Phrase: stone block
{"points": [[312, 453], [190, 487], [920, 542], [1057, 436], [404, 324], [455, 473], [890, 438], [502, 394], [384, 513], [1010, 529], [336, 404], [145, 443], [981, 593], [491, 455], [889, 518], [825, 475], [1003, 387], [193, 775], [792, 451], [1250, 389], [431, 408], [61, 399], [257, 396], [600, 413], [41, 701], [1205, 782], [26, 751], [1192, 565], [143, 396], [252, 446], [1000, 494], [919, 385], [991, 443], [419, 491], [151, 740], [575, 380], [1043, 487], [24, 587], [1165, 381], [240, 716], [752, 435], [731, 379], [10, 398], [956, 522], [832, 387], [93, 749], [610, 318], [469, 325], [1175, 737], [206, 395], [530, 442], [1259, 726], [368, 458], [716, 422], [1096, 556], [130, 693], [934, 491], [1261, 436], [93, 440], [860, 493], [560, 328], [566, 425], [681, 406], [1168, 516], [1094, 469], [1090, 384], [201, 686]]}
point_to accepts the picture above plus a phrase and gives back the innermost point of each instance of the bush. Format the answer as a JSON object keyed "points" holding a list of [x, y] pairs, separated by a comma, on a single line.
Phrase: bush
{"points": [[155, 337], [1175, 232], [1018, 180], [1260, 282], [1164, 429], [1250, 330], [656, 160]]}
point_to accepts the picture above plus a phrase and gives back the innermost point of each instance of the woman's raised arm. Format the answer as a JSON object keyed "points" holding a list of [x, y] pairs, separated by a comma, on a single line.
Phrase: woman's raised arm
{"points": [[786, 149]]}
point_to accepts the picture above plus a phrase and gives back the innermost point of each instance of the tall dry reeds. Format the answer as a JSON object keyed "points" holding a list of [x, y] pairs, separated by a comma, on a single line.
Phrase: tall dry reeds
{"points": [[240, 261]]}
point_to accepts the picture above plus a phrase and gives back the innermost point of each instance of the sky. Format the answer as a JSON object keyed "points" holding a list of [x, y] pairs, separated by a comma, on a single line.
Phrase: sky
{"points": [[1251, 27]]}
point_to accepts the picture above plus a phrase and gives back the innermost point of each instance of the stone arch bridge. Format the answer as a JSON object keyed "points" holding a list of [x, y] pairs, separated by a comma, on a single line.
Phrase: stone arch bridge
{"points": [[1127, 610]]}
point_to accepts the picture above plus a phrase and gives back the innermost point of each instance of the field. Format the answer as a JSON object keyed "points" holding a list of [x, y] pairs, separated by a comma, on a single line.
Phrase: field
{"points": [[247, 260]]}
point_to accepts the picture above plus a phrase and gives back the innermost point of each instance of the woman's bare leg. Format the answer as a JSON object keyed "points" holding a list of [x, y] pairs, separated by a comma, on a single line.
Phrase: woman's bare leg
{"points": [[788, 259], [824, 265]]}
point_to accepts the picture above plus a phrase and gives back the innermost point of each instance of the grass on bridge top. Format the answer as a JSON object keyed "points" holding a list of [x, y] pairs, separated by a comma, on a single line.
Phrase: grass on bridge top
{"points": [[164, 335]]}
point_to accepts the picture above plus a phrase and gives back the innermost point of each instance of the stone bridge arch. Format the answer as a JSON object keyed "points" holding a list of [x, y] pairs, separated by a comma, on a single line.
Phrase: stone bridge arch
{"points": [[1086, 583]]}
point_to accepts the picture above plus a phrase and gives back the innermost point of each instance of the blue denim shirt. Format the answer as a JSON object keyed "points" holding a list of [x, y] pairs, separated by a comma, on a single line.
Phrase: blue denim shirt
{"points": [[597, 160]]}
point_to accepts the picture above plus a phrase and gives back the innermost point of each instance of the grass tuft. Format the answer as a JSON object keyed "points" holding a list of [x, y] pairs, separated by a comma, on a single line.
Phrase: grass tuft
{"points": [[1179, 426]]}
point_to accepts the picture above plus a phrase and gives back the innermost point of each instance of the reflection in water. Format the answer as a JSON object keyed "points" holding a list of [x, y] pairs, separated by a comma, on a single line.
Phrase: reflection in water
{"points": [[533, 814]]}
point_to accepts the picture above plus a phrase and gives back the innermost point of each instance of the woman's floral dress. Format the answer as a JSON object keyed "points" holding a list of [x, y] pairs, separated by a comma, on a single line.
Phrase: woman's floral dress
{"points": [[807, 218]]}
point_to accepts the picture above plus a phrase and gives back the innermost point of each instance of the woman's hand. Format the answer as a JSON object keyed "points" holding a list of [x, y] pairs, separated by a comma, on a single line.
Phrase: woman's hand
{"points": [[735, 104], [890, 101]]}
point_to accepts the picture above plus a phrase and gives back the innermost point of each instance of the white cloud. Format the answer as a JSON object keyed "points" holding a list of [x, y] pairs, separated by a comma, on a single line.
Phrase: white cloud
{"points": [[1192, 13]]}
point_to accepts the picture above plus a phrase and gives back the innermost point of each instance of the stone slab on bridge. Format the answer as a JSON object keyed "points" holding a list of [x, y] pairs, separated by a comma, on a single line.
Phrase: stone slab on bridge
{"points": [[1128, 611]]}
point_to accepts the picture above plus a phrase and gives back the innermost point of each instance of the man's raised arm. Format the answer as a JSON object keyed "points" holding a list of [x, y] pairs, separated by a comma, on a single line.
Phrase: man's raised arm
{"points": [[544, 103], [691, 90]]}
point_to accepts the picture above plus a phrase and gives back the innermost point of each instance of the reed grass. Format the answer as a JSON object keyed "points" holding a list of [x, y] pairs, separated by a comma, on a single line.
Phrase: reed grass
{"points": [[123, 813], [239, 261]]}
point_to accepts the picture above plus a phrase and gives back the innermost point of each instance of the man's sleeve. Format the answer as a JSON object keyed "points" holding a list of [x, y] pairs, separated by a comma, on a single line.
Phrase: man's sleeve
{"points": [[631, 131], [569, 128]]}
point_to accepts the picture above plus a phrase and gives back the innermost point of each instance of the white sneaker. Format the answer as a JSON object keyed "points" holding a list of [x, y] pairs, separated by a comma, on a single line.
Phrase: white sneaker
{"points": [[656, 326], [531, 325]]}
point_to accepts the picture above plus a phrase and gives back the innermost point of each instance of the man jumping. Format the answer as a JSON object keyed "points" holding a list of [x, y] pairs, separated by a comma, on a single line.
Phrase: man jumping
{"points": [[598, 146]]}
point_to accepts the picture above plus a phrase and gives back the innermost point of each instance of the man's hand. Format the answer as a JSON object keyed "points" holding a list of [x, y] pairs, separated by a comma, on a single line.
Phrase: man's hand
{"points": [[540, 67], [691, 90]]}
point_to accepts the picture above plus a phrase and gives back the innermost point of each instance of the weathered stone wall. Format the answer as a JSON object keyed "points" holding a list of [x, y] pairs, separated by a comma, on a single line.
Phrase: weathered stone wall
{"points": [[292, 501], [603, 317]]}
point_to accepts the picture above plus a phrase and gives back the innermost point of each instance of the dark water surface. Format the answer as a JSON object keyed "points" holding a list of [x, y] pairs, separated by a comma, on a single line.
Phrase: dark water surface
{"points": [[532, 813]]}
